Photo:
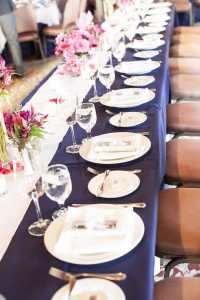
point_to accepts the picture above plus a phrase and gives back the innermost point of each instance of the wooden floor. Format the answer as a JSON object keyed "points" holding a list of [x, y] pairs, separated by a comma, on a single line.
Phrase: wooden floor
{"points": [[35, 71]]}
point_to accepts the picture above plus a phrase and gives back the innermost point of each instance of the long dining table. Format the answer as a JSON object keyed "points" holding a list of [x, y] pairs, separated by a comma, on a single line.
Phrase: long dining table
{"points": [[25, 265]]}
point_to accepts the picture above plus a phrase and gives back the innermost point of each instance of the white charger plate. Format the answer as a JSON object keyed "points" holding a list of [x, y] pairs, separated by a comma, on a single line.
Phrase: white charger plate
{"points": [[146, 44], [157, 18], [151, 29], [139, 67], [142, 143], [117, 184], [126, 98], [52, 233], [128, 119], [85, 288], [146, 54]]}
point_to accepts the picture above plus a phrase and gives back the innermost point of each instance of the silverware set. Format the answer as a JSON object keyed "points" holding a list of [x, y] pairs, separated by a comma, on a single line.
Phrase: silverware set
{"points": [[96, 172]]}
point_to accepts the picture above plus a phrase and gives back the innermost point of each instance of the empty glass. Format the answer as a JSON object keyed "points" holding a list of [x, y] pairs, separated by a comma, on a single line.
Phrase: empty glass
{"points": [[71, 121], [58, 186], [86, 117], [119, 49], [107, 76]]}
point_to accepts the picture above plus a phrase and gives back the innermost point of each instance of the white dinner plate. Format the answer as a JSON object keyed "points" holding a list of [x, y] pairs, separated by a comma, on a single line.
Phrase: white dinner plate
{"points": [[151, 29], [146, 44], [126, 98], [135, 235], [114, 148], [139, 81], [139, 67], [117, 184], [159, 10], [87, 287], [146, 54], [156, 18], [128, 119], [160, 4]]}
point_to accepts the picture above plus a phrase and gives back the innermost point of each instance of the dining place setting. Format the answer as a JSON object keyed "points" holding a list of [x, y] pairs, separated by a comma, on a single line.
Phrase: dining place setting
{"points": [[103, 173]]}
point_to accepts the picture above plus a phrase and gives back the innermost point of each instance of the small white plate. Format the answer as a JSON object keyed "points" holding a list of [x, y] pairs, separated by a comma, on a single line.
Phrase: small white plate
{"points": [[160, 4], [121, 140], [156, 18], [150, 29], [159, 11], [128, 119], [117, 184], [87, 287], [139, 67], [153, 36], [162, 24], [146, 44], [146, 54], [135, 235], [126, 98]]}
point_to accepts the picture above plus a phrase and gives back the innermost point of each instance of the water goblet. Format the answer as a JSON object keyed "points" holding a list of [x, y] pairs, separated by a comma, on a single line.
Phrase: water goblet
{"points": [[58, 186], [119, 49], [86, 117]]}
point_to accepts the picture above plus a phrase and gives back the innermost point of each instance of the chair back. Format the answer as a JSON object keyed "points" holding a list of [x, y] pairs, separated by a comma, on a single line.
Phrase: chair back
{"points": [[73, 9], [26, 19]]}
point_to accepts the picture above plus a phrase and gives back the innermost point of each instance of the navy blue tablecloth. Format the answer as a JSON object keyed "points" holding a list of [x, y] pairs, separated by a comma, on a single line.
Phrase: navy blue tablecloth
{"points": [[24, 268]]}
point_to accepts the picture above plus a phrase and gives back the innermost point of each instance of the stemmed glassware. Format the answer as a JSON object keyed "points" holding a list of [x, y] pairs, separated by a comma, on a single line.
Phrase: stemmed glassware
{"points": [[39, 227], [107, 75], [119, 49], [71, 121], [86, 117], [58, 186]]}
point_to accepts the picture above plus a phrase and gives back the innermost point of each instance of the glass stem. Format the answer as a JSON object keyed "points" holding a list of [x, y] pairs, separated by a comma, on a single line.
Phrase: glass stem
{"points": [[37, 206], [95, 88], [89, 135], [73, 135]]}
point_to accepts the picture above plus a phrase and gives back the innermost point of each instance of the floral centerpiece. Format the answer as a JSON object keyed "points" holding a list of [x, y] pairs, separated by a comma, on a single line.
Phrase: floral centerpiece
{"points": [[78, 44], [5, 80], [22, 126]]}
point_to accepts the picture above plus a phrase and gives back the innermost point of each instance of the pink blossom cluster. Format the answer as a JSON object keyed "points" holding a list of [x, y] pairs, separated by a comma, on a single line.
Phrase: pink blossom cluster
{"points": [[5, 74], [124, 2], [79, 42], [23, 125]]}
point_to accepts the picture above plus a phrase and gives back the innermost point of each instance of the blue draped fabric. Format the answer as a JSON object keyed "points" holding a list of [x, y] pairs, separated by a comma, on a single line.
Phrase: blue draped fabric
{"points": [[24, 268]]}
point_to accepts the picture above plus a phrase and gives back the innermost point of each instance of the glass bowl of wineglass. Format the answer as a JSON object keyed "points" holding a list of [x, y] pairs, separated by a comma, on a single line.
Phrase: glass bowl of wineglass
{"points": [[58, 186], [86, 117]]}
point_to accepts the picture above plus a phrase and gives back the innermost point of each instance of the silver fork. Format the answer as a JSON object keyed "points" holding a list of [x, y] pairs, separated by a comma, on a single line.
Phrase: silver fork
{"points": [[101, 188]]}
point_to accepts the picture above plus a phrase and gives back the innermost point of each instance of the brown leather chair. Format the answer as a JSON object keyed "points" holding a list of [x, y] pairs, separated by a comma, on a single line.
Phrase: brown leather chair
{"points": [[178, 234], [184, 65], [187, 29], [183, 118], [185, 38], [185, 86], [27, 26], [185, 49], [183, 161], [177, 289]]}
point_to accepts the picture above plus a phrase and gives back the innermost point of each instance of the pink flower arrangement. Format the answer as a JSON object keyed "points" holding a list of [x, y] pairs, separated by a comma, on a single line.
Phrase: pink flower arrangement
{"points": [[5, 74], [81, 41], [23, 125]]}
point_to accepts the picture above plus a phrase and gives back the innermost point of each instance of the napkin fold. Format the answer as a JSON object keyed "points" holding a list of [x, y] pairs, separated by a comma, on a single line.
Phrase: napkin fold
{"points": [[108, 149], [90, 230]]}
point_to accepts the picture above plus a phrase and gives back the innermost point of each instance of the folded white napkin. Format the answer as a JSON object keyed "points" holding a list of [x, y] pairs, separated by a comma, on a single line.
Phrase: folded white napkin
{"points": [[94, 230], [108, 149]]}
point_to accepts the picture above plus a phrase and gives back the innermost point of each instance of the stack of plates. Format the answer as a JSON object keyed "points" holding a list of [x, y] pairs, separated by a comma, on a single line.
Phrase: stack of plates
{"points": [[114, 148], [126, 98], [137, 67]]}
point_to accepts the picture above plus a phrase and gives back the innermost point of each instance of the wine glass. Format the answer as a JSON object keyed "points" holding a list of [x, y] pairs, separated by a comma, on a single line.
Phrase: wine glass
{"points": [[71, 121], [119, 49], [86, 117], [107, 75], [58, 186]]}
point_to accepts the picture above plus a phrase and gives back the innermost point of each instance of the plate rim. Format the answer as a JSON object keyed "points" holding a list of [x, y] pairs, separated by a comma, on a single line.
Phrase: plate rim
{"points": [[80, 260], [119, 161]]}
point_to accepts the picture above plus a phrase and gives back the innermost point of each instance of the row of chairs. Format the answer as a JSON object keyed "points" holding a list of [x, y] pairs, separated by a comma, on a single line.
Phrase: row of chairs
{"points": [[178, 232], [27, 26]]}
